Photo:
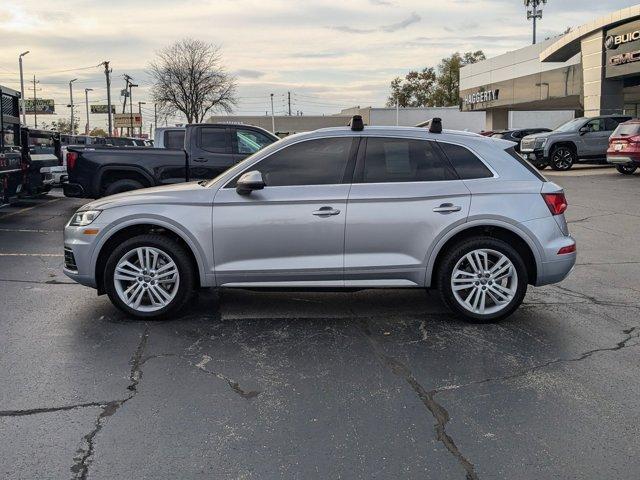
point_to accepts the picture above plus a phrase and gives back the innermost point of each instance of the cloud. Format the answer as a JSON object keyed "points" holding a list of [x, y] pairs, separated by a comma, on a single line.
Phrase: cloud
{"points": [[381, 2], [248, 73], [393, 27]]}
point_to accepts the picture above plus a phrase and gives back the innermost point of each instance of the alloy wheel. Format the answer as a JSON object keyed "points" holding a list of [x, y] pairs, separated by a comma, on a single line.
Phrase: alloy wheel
{"points": [[484, 281], [562, 158], [146, 279]]}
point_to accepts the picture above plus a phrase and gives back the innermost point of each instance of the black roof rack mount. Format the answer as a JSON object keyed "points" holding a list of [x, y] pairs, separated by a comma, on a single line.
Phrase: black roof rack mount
{"points": [[434, 125], [356, 123]]}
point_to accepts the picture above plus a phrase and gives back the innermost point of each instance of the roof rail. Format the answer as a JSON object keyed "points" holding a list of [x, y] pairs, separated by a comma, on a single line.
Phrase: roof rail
{"points": [[356, 123]]}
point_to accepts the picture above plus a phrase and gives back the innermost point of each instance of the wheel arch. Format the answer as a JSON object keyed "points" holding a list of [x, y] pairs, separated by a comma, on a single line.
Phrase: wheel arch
{"points": [[126, 171], [563, 143], [518, 238], [131, 227]]}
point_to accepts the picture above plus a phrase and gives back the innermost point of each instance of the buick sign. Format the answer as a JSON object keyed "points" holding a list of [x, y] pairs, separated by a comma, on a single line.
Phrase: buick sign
{"points": [[611, 42]]}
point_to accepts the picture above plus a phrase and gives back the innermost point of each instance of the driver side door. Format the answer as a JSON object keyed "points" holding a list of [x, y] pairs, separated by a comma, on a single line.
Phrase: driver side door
{"points": [[291, 232]]}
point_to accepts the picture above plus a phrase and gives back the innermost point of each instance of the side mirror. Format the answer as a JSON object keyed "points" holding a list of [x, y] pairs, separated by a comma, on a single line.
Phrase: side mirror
{"points": [[584, 130], [249, 182]]}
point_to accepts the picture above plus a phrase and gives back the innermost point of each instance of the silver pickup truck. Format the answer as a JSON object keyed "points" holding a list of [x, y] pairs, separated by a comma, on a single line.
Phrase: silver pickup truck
{"points": [[579, 140]]}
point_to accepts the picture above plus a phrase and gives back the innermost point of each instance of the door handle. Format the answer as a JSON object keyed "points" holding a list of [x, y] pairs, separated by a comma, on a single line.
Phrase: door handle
{"points": [[200, 159], [447, 208], [326, 212]]}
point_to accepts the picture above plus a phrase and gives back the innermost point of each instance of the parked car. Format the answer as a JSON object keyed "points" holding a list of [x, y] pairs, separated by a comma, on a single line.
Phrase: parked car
{"points": [[579, 140], [375, 207], [517, 135], [210, 148], [624, 147]]}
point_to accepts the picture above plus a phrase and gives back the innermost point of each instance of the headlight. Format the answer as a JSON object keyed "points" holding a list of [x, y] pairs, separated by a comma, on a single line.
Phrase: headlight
{"points": [[540, 143], [81, 219]]}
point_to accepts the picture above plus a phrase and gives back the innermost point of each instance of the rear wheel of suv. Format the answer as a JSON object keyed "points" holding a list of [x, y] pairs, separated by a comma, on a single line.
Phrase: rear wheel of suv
{"points": [[626, 169], [482, 279], [149, 276], [124, 185], [562, 158]]}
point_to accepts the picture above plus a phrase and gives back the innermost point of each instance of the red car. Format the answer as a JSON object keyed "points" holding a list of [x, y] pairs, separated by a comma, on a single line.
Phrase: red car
{"points": [[624, 147]]}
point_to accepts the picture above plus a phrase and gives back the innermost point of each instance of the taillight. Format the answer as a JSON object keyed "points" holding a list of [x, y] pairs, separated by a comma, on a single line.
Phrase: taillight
{"points": [[567, 249], [556, 202], [71, 160], [634, 139]]}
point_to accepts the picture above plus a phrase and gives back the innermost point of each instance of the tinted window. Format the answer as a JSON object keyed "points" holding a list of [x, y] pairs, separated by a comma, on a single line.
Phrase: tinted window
{"points": [[627, 129], [595, 125], [316, 162], [174, 139], [612, 123], [213, 139], [467, 165], [403, 160], [250, 141]]}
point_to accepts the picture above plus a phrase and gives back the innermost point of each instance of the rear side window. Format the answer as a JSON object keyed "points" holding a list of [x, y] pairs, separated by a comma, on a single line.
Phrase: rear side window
{"points": [[213, 139], [174, 139], [403, 160], [512, 151], [467, 165]]}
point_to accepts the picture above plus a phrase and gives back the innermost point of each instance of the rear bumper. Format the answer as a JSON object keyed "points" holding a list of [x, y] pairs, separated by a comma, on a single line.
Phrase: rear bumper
{"points": [[53, 176], [73, 190], [622, 159]]}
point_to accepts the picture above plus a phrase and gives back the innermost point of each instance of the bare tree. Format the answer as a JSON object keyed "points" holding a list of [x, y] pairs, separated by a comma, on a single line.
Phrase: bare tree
{"points": [[189, 77]]}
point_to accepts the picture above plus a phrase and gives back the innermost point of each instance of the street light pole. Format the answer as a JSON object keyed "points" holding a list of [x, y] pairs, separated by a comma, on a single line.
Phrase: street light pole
{"points": [[24, 113], [131, 85], [86, 102], [140, 113], [273, 118], [71, 104]]}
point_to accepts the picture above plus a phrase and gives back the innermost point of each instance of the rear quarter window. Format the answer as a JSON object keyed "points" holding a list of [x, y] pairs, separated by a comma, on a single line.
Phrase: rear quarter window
{"points": [[467, 165], [512, 151]]}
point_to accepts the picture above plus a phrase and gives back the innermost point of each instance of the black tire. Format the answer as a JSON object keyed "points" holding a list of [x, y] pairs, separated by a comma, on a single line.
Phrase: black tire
{"points": [[455, 253], [626, 169], [175, 251], [120, 186], [541, 166], [562, 158]]}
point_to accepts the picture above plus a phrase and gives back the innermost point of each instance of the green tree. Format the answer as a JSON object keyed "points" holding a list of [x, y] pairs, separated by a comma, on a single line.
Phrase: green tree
{"points": [[415, 90], [98, 132], [426, 88], [61, 125]]}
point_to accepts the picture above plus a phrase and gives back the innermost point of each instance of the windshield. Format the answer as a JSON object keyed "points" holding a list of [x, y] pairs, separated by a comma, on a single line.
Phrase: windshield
{"points": [[571, 125], [239, 166]]}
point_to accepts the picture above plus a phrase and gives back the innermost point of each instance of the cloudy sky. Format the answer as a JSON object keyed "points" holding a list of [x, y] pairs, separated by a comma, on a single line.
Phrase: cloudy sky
{"points": [[329, 53]]}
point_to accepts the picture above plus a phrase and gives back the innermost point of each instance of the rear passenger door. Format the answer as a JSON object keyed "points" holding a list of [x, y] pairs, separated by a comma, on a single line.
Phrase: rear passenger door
{"points": [[210, 152], [405, 194]]}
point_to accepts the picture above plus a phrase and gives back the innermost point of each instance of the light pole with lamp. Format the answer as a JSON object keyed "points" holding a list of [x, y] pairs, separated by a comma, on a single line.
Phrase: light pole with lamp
{"points": [[24, 113]]}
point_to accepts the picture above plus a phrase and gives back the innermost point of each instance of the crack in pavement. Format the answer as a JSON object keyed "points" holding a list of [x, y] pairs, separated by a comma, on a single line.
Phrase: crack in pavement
{"points": [[594, 300], [35, 411], [235, 386], [39, 282], [438, 412], [82, 460], [624, 343]]}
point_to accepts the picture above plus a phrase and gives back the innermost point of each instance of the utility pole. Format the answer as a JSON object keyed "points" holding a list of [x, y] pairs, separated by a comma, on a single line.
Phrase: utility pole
{"points": [[127, 79], [131, 85], [140, 113], [86, 103], [273, 118], [534, 11], [35, 107], [155, 115], [289, 101], [71, 105], [24, 113], [107, 74]]}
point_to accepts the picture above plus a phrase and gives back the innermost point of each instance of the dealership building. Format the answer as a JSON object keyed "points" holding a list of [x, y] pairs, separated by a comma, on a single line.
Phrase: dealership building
{"points": [[592, 70]]}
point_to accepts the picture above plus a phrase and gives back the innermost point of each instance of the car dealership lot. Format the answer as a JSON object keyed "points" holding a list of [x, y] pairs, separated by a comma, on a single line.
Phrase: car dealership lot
{"points": [[372, 384]]}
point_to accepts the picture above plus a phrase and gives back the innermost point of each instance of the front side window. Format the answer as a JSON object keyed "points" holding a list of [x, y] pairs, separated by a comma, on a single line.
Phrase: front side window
{"points": [[249, 141], [213, 139], [467, 164], [314, 162], [595, 125], [404, 160]]}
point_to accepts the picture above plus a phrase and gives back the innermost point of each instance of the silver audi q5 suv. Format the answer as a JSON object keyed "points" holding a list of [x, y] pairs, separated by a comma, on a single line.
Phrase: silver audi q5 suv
{"points": [[337, 208]]}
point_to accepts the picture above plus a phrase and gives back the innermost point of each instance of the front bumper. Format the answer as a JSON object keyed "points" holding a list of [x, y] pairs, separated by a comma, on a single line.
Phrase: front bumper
{"points": [[78, 254], [537, 157]]}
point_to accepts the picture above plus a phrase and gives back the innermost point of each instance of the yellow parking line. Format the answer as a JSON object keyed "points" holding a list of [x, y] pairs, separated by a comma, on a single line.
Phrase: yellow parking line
{"points": [[29, 208]]}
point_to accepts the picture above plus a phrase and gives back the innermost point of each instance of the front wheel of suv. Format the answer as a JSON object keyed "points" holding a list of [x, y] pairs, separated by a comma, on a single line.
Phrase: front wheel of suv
{"points": [[562, 158], [149, 276], [482, 279], [626, 169]]}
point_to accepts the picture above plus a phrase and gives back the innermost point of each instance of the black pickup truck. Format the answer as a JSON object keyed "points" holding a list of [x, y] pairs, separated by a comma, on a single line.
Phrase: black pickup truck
{"points": [[210, 149]]}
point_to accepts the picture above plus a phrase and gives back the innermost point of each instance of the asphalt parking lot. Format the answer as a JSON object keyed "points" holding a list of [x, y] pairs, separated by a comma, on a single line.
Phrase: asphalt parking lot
{"points": [[372, 384]]}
